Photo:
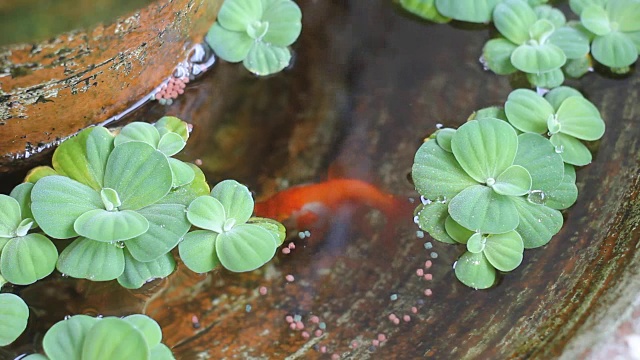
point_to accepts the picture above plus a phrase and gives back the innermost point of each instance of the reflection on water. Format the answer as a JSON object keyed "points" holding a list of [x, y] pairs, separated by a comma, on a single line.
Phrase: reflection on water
{"points": [[367, 86]]}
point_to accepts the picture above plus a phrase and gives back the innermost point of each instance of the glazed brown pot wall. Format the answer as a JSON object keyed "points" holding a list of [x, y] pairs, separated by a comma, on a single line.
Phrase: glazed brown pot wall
{"points": [[51, 89]]}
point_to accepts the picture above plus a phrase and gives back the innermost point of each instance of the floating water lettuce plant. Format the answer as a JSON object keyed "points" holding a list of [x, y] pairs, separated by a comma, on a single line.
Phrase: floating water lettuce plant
{"points": [[82, 337], [615, 25], [108, 194], [230, 236], [24, 257], [14, 314], [256, 32], [485, 184], [535, 41], [567, 117], [425, 9]]}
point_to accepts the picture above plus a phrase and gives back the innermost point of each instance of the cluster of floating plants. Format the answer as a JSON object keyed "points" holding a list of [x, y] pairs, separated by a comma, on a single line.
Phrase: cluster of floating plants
{"points": [[82, 337], [537, 40], [126, 203], [256, 32], [497, 184]]}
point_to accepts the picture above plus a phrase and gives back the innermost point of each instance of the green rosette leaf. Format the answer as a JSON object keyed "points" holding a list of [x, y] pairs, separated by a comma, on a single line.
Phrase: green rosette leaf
{"points": [[27, 259], [172, 124], [513, 19], [171, 144], [566, 193], [579, 118], [108, 226], [38, 173], [596, 20], [207, 212], [99, 146], [496, 112], [70, 160], [538, 58], [541, 30], [538, 223], [475, 271], [168, 223], [476, 243], [285, 22], [425, 9], [456, 231], [182, 173], [266, 59], [481, 209], [476, 11], [198, 251], [528, 111], [578, 5], [10, 216], [22, 194], [539, 157], [114, 338], [443, 138], [161, 352], [235, 198], [88, 259], [571, 149], [236, 15], [148, 327], [497, 55], [436, 173], [504, 251], [185, 194], [276, 229], [558, 95], [137, 273], [576, 68], [514, 181], [64, 340], [138, 173], [614, 50], [551, 14], [245, 248], [547, 80], [57, 201], [484, 148], [14, 314], [431, 218], [626, 13], [229, 45], [573, 43]]}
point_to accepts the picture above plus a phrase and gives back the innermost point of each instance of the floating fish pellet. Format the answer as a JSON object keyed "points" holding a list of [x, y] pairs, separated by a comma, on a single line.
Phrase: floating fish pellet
{"points": [[292, 326], [247, 308], [382, 337], [305, 335], [299, 325], [263, 290], [323, 349], [406, 318], [428, 264], [414, 309], [428, 245], [297, 318], [322, 325], [335, 357], [289, 278], [428, 277], [354, 344], [318, 333], [434, 255], [420, 272], [198, 162], [393, 297], [314, 319], [375, 342], [292, 245], [289, 319], [428, 292], [286, 250], [195, 322]]}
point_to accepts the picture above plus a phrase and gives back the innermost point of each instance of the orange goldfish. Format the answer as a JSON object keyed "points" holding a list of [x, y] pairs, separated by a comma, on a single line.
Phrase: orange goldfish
{"points": [[305, 204]]}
